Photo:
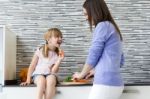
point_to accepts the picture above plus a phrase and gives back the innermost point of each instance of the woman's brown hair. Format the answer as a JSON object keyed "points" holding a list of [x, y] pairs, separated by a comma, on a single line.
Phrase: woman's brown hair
{"points": [[98, 11], [53, 32]]}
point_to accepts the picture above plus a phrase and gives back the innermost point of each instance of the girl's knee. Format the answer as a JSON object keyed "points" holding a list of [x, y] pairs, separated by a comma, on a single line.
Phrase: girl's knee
{"points": [[40, 80], [51, 80]]}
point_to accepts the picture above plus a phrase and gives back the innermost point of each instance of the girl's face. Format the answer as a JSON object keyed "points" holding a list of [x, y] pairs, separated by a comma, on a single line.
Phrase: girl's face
{"points": [[55, 41], [85, 13]]}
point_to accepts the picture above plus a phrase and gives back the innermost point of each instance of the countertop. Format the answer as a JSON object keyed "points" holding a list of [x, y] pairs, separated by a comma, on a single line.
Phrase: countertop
{"points": [[62, 85], [15, 83]]}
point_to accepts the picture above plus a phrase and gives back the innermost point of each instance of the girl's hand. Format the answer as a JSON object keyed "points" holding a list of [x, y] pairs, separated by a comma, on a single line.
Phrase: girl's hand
{"points": [[77, 76], [25, 83]]}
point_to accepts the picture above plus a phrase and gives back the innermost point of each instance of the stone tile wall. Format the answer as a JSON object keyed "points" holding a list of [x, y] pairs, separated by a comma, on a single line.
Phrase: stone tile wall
{"points": [[29, 19]]}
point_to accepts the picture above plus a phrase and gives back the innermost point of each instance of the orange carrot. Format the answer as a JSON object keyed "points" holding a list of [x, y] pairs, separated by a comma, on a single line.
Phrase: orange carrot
{"points": [[81, 80], [61, 53]]}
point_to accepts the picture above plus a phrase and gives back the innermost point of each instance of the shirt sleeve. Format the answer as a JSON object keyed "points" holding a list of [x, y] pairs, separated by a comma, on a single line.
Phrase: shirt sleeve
{"points": [[97, 46]]}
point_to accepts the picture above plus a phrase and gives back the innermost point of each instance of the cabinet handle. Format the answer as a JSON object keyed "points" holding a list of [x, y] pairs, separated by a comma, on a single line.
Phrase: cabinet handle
{"points": [[130, 91]]}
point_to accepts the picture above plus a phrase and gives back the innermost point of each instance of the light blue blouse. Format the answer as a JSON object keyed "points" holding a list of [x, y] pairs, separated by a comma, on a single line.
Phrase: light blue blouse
{"points": [[106, 55]]}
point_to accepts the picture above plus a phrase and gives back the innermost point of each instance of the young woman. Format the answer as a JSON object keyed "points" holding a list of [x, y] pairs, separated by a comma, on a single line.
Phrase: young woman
{"points": [[45, 65], [105, 54]]}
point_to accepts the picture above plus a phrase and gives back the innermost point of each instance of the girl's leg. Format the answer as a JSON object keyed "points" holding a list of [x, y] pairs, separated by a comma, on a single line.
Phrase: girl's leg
{"points": [[50, 86], [40, 81]]}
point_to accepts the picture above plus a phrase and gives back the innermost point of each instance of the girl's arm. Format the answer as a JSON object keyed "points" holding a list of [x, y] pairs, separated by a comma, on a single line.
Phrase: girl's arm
{"points": [[31, 69], [55, 67]]}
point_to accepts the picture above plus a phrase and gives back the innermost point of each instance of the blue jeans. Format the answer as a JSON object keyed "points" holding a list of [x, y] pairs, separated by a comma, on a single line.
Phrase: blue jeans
{"points": [[45, 75]]}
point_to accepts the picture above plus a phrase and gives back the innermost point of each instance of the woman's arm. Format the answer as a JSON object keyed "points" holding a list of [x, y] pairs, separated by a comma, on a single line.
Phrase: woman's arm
{"points": [[86, 69], [86, 73], [90, 74], [100, 36]]}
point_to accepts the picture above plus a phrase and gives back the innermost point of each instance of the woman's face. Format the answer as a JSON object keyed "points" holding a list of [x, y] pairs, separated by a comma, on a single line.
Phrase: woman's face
{"points": [[85, 13], [55, 41]]}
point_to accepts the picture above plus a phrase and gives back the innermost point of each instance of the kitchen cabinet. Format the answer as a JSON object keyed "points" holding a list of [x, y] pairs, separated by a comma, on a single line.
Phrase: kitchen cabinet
{"points": [[74, 92], [7, 54], [3, 95], [64, 92]]}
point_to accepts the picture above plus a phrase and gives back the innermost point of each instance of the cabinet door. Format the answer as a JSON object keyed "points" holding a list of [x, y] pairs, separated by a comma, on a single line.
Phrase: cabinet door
{"points": [[3, 95], [19, 92], [74, 92]]}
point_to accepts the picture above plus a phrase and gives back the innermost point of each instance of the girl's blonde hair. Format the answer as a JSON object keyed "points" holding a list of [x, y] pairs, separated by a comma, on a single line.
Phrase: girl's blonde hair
{"points": [[52, 32]]}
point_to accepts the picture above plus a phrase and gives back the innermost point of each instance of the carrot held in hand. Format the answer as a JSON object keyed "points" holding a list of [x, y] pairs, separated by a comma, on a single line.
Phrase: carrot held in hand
{"points": [[61, 53]]}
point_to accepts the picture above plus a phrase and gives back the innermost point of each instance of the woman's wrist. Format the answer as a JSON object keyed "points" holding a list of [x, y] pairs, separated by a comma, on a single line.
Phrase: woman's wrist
{"points": [[85, 70], [82, 75]]}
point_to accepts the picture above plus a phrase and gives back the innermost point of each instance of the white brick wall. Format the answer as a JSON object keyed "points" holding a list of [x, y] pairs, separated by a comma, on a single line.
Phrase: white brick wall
{"points": [[29, 19]]}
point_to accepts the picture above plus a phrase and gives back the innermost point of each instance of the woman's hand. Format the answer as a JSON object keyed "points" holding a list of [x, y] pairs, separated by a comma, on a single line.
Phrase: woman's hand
{"points": [[86, 69], [90, 74], [77, 76]]}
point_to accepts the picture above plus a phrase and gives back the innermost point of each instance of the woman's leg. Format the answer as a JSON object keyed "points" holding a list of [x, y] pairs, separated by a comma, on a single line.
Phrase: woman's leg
{"points": [[50, 86], [40, 81]]}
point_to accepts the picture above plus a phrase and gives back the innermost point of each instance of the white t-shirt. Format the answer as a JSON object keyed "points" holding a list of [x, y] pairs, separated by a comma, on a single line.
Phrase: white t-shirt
{"points": [[44, 64]]}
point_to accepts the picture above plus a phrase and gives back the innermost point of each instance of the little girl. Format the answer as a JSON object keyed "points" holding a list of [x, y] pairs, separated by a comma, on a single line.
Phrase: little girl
{"points": [[45, 65]]}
